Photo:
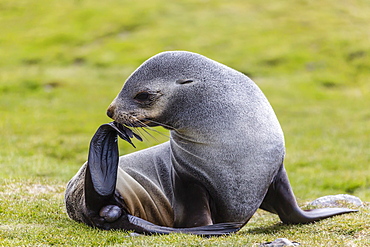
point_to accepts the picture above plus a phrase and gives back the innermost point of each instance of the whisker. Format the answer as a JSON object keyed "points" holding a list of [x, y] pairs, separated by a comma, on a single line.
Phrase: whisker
{"points": [[150, 128], [162, 134], [161, 124], [146, 126], [129, 124], [141, 133], [134, 130], [142, 128], [141, 122]]}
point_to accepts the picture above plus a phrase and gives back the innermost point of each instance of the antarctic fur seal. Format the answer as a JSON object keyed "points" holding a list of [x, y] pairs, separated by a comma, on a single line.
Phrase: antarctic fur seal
{"points": [[224, 159]]}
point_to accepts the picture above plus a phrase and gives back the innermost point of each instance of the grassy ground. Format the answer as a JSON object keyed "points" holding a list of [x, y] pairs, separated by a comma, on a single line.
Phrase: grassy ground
{"points": [[62, 63]]}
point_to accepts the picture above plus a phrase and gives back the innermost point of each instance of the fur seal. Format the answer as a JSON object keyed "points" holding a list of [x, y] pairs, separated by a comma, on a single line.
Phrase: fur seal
{"points": [[224, 159]]}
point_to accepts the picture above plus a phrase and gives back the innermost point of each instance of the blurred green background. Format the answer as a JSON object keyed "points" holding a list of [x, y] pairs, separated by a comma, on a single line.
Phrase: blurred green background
{"points": [[63, 62]]}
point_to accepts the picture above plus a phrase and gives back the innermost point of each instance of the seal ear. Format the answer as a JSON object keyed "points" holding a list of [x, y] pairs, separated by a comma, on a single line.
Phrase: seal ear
{"points": [[184, 81]]}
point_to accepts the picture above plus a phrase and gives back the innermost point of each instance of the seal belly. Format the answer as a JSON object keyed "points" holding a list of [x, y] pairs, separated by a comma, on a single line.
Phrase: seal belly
{"points": [[152, 206]]}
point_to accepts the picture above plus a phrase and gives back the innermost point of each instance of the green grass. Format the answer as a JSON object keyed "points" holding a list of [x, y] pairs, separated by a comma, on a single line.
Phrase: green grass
{"points": [[63, 62]]}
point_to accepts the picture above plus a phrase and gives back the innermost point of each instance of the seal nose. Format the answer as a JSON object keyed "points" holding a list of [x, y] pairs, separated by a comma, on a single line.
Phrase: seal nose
{"points": [[110, 111]]}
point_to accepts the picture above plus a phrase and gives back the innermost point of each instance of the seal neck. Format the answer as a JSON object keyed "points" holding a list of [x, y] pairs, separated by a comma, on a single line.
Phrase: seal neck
{"points": [[226, 143]]}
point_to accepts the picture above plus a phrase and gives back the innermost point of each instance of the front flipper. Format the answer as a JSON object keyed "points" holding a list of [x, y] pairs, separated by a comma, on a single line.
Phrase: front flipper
{"points": [[101, 174], [281, 200]]}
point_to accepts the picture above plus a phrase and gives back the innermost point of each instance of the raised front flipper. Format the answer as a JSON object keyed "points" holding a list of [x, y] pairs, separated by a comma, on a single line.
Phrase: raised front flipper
{"points": [[281, 200], [101, 175], [90, 195]]}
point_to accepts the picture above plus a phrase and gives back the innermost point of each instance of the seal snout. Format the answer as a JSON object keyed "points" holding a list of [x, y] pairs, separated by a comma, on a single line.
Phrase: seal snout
{"points": [[110, 111]]}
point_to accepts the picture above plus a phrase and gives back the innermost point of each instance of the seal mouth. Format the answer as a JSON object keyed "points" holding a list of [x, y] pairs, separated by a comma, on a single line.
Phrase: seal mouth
{"points": [[124, 132], [146, 122], [135, 122]]}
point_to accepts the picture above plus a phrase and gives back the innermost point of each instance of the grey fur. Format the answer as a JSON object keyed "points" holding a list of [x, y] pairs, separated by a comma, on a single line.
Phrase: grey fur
{"points": [[226, 148]]}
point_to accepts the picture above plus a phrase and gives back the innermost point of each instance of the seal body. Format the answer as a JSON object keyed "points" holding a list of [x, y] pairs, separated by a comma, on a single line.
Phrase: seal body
{"points": [[225, 155]]}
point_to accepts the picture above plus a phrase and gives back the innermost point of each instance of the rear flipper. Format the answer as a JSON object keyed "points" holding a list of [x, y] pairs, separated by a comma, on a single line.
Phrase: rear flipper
{"points": [[90, 195], [280, 200]]}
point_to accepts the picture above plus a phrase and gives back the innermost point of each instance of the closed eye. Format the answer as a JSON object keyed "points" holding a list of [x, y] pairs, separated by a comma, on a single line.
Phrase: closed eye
{"points": [[184, 81]]}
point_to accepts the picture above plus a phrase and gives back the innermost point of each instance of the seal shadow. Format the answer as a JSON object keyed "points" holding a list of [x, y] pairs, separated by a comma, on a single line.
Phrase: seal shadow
{"points": [[277, 227]]}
